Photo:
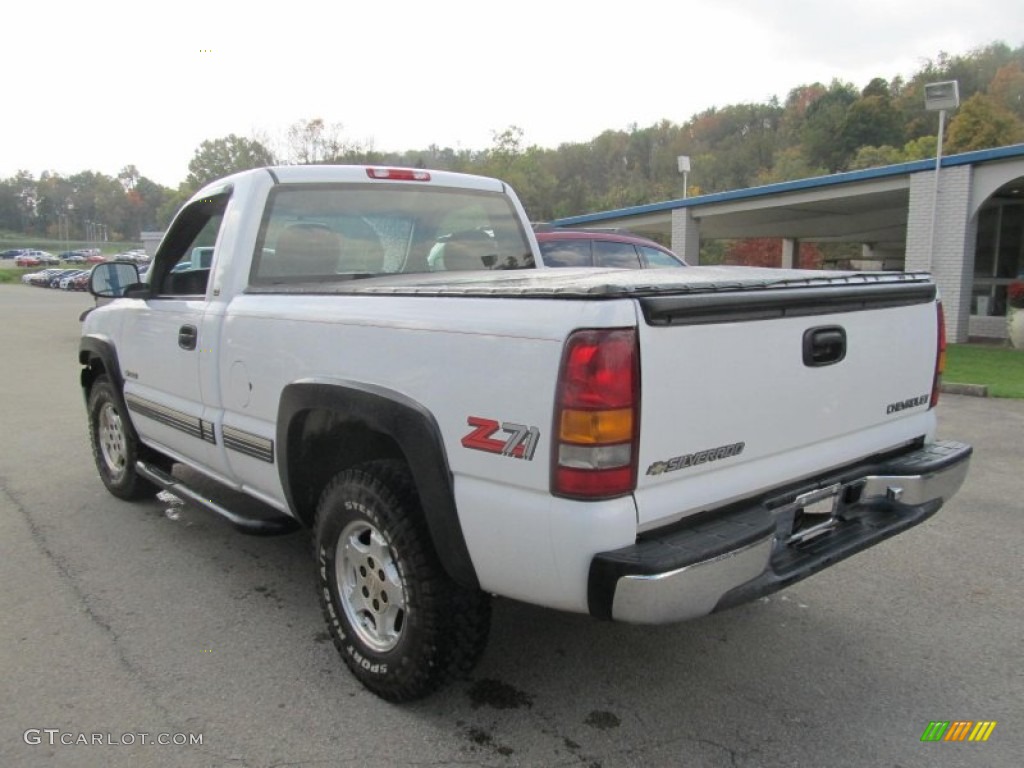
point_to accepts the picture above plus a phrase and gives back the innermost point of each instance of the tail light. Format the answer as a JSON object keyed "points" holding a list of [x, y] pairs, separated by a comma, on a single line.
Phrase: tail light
{"points": [[940, 354], [597, 415]]}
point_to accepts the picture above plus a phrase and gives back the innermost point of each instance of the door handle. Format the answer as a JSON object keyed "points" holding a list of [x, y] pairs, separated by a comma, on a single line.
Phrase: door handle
{"points": [[188, 336]]}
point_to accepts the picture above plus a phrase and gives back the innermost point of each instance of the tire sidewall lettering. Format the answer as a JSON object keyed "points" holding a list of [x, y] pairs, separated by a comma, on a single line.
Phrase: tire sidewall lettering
{"points": [[366, 659]]}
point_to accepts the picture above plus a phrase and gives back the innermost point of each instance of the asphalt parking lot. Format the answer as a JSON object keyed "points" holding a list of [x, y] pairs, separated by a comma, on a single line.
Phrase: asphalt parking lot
{"points": [[128, 619]]}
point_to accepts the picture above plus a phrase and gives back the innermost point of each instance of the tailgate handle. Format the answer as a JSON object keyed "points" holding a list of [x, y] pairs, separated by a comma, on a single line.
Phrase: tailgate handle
{"points": [[824, 346]]}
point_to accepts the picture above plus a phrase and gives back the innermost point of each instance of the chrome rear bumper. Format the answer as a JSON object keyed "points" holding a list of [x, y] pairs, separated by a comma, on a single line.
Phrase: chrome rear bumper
{"points": [[755, 548]]}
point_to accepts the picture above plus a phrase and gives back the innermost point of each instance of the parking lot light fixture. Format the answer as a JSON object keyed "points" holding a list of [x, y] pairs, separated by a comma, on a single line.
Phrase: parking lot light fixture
{"points": [[684, 168], [938, 97]]}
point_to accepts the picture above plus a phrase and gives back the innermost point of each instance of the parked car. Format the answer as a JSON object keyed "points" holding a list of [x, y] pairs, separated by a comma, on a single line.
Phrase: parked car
{"points": [[45, 257], [602, 248], [12, 253], [41, 257], [58, 275], [41, 279], [80, 283], [67, 281], [95, 258], [137, 255]]}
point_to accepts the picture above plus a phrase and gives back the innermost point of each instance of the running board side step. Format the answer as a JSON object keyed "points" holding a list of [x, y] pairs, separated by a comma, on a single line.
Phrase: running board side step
{"points": [[257, 526]]}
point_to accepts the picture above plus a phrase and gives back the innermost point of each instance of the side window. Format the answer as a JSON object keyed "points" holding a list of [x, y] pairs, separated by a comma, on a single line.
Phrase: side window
{"points": [[612, 254], [182, 266], [656, 259], [566, 253]]}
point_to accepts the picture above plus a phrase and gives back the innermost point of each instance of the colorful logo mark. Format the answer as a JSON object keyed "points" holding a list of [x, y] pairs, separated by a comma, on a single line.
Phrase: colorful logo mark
{"points": [[958, 730]]}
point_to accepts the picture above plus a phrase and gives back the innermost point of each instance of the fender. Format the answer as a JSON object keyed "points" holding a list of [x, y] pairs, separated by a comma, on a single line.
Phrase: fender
{"points": [[411, 427], [103, 348], [100, 347]]}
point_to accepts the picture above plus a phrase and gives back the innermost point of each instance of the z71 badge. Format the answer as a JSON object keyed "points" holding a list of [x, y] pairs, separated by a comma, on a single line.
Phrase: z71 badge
{"points": [[520, 444]]}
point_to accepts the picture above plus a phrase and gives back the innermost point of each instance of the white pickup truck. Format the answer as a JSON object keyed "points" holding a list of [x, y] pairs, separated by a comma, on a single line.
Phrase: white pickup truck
{"points": [[379, 355]]}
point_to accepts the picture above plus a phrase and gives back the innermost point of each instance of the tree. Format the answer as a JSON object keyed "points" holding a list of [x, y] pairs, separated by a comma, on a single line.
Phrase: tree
{"points": [[314, 141], [823, 127], [920, 149], [794, 112], [222, 157], [1007, 88], [981, 123], [872, 120], [172, 203], [755, 252], [875, 157], [10, 215], [144, 200], [767, 252], [129, 177], [731, 146], [790, 164]]}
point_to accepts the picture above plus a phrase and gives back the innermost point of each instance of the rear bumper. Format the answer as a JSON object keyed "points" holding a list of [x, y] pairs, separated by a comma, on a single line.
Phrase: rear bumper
{"points": [[759, 546]]}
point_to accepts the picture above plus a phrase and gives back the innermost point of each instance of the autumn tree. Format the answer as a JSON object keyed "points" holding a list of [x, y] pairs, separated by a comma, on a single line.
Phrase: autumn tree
{"points": [[1007, 88], [794, 112], [733, 146], [767, 252], [981, 123]]}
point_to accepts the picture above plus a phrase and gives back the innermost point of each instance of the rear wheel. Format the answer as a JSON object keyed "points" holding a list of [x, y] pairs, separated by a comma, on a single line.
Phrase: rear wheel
{"points": [[115, 447], [403, 627]]}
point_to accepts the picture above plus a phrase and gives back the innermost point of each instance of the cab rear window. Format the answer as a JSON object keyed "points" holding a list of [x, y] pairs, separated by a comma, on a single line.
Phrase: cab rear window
{"points": [[334, 232]]}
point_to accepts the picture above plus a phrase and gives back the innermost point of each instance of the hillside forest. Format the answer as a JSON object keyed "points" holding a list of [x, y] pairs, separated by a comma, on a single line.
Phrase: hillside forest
{"points": [[818, 129]]}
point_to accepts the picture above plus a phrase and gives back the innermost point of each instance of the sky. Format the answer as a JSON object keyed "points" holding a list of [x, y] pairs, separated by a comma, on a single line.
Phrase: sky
{"points": [[101, 85]]}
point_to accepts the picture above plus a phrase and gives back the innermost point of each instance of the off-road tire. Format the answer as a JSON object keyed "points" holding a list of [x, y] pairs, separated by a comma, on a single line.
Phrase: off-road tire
{"points": [[402, 625], [115, 447]]}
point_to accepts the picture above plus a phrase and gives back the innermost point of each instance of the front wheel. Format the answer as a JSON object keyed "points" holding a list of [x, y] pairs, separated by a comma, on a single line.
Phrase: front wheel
{"points": [[115, 447], [403, 627]]}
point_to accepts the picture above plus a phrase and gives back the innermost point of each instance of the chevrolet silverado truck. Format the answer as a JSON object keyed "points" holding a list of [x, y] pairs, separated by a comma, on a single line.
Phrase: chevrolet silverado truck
{"points": [[379, 355]]}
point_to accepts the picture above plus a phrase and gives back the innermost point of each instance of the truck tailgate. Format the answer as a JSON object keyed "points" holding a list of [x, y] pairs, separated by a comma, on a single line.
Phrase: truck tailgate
{"points": [[744, 390]]}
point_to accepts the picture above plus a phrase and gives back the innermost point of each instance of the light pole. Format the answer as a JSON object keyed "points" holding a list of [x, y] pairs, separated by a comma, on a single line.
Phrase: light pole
{"points": [[938, 97], [684, 168]]}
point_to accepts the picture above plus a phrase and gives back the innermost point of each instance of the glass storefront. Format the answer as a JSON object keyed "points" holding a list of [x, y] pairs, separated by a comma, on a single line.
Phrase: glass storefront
{"points": [[999, 253]]}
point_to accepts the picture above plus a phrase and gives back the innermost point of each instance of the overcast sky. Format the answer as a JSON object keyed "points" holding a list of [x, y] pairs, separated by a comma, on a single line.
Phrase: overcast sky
{"points": [[100, 85]]}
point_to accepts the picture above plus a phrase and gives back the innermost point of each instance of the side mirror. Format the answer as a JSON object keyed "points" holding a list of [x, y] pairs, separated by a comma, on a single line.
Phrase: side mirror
{"points": [[109, 280]]}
